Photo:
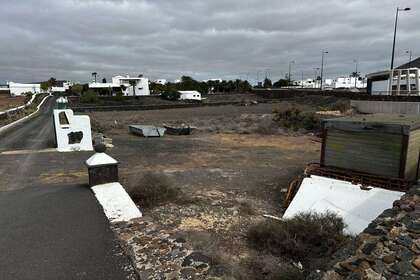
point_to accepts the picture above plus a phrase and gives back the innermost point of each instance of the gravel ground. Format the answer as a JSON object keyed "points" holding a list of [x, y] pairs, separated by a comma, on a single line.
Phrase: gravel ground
{"points": [[231, 171]]}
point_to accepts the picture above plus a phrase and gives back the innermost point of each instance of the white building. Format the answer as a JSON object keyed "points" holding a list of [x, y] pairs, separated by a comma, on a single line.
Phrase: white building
{"points": [[395, 82], [18, 89], [308, 83], [161, 82], [130, 86], [190, 95], [349, 82], [63, 88]]}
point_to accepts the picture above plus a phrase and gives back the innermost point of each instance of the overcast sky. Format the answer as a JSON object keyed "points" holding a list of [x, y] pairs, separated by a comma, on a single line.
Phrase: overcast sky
{"points": [[69, 39]]}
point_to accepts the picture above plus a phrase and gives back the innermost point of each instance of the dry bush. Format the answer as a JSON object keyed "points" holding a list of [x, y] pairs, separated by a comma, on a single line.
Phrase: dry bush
{"points": [[301, 238], [97, 126], [295, 119], [266, 267], [153, 190]]}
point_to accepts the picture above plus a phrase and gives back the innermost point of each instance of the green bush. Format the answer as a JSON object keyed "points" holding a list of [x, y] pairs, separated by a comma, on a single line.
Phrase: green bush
{"points": [[301, 238], [119, 96], [170, 95], [89, 96], [295, 119], [153, 189]]}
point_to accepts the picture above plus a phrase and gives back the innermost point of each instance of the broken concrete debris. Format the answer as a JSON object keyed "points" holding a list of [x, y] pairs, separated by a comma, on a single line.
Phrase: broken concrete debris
{"points": [[99, 138], [147, 130], [182, 129]]}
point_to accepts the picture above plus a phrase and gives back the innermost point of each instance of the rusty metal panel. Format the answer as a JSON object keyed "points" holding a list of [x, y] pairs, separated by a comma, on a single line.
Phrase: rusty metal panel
{"points": [[368, 151]]}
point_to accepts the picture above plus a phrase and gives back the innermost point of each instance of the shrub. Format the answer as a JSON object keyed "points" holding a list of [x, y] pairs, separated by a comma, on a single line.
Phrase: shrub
{"points": [[171, 95], [305, 236], [267, 267], [96, 126], [119, 96], [341, 105], [89, 97], [153, 189], [295, 119]]}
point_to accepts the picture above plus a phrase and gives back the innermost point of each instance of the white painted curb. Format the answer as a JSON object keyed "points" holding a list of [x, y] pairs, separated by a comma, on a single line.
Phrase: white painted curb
{"points": [[10, 125], [116, 202]]}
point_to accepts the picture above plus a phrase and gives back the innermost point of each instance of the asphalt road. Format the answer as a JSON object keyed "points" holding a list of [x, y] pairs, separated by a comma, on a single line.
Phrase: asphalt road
{"points": [[51, 232], [36, 133]]}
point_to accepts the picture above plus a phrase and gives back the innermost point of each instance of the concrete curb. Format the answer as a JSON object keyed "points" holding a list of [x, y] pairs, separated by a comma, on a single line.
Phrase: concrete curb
{"points": [[10, 125]]}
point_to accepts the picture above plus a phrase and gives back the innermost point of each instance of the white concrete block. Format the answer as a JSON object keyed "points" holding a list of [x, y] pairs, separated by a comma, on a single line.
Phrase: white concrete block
{"points": [[356, 206], [71, 124], [116, 202]]}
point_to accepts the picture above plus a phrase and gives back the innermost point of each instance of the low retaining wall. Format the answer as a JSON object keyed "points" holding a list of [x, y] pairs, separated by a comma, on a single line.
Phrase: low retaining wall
{"points": [[389, 248], [388, 107], [4, 114]]}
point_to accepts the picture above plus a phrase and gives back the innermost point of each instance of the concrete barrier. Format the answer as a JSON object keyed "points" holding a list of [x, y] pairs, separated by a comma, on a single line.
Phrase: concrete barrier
{"points": [[387, 107], [73, 133]]}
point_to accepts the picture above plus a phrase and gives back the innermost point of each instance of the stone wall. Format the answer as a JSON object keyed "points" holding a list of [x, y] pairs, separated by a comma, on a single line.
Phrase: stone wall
{"points": [[389, 248]]}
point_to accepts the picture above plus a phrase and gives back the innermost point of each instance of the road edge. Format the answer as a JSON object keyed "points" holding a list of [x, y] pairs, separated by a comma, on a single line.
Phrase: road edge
{"points": [[3, 129]]}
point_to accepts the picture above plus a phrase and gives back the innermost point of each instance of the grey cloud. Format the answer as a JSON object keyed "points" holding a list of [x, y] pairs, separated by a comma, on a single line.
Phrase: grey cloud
{"points": [[69, 39]]}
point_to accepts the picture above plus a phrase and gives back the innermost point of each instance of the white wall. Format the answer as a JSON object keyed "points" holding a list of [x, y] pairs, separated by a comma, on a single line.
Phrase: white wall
{"points": [[142, 88], [75, 124], [190, 95], [17, 89]]}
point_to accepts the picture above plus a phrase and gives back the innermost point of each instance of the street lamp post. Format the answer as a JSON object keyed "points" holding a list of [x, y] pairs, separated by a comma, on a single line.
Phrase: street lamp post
{"points": [[409, 61], [322, 68], [316, 77], [290, 71], [395, 34], [356, 73]]}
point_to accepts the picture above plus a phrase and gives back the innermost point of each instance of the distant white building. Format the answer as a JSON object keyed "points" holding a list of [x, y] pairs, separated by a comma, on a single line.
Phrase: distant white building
{"points": [[62, 88], [18, 89], [161, 82], [213, 80], [130, 86], [349, 82], [190, 95], [308, 83]]}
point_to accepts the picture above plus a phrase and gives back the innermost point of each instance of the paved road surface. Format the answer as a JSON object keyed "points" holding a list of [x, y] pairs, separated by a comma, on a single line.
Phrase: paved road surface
{"points": [[51, 232], [35, 134]]}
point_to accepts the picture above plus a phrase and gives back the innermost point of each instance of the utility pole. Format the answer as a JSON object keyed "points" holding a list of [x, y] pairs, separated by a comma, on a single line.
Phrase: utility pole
{"points": [[290, 71], [356, 74], [316, 77], [322, 69], [409, 61], [302, 80], [395, 34]]}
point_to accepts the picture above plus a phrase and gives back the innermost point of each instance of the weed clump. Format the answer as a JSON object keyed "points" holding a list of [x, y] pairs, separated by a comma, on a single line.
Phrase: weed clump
{"points": [[153, 190], [306, 236], [295, 119]]}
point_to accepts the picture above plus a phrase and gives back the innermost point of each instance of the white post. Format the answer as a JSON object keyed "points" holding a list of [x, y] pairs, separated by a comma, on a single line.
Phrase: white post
{"points": [[408, 81], [391, 77], [398, 81]]}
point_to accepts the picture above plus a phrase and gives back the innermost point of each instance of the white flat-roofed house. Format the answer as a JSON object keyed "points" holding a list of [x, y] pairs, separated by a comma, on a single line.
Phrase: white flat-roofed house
{"points": [[130, 86], [190, 95], [62, 86], [161, 82], [349, 82], [18, 89]]}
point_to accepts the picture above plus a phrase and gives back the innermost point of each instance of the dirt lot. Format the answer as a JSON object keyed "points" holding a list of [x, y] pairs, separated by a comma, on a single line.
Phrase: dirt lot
{"points": [[8, 102], [232, 170]]}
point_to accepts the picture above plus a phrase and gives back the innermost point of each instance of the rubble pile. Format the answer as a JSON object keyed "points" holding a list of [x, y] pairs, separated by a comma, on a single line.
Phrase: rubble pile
{"points": [[389, 248]]}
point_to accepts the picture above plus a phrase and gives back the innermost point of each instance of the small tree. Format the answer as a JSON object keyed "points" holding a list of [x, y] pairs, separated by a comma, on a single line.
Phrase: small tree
{"points": [[267, 83]]}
